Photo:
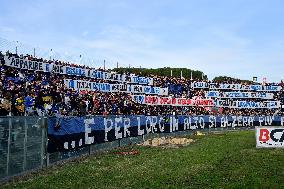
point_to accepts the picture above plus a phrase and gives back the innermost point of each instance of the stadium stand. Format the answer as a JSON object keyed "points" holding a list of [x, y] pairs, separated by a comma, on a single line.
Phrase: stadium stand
{"points": [[35, 86]]}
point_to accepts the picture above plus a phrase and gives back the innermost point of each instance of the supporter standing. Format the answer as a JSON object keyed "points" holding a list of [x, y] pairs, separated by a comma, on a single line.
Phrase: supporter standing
{"points": [[29, 103], [19, 106], [5, 106], [39, 104]]}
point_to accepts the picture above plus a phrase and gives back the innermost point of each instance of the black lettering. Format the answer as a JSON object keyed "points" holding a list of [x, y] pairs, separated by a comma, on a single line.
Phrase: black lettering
{"points": [[35, 65], [40, 66], [21, 64], [78, 84], [17, 63], [61, 69], [277, 131], [25, 65], [12, 62], [30, 65]]}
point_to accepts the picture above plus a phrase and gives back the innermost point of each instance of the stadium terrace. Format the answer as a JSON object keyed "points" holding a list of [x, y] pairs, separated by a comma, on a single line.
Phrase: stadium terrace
{"points": [[34, 86]]}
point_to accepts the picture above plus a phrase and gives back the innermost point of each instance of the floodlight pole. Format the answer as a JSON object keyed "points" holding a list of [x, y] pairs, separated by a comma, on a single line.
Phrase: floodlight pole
{"points": [[104, 64], [17, 47]]}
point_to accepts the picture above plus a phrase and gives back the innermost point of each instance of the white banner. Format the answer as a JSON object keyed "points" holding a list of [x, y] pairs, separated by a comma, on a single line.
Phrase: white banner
{"points": [[247, 104], [21, 63], [107, 87], [269, 137], [27, 64], [171, 101], [263, 104], [235, 87], [157, 100], [218, 94]]}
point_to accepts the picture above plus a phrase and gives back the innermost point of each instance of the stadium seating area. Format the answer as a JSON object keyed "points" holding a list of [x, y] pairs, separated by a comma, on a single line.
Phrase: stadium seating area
{"points": [[34, 86]]}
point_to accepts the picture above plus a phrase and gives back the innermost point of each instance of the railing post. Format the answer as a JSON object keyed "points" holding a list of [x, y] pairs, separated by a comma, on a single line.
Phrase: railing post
{"points": [[25, 144], [9, 143], [43, 141], [119, 142]]}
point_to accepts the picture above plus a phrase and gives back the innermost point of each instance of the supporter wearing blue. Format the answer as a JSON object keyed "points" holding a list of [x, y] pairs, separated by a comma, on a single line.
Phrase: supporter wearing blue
{"points": [[29, 103]]}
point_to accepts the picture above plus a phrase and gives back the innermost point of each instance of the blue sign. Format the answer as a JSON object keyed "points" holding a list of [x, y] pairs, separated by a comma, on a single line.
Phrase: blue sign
{"points": [[69, 133]]}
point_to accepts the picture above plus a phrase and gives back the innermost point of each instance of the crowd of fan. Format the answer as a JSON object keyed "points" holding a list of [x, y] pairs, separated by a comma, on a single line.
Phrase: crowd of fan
{"points": [[25, 92]]}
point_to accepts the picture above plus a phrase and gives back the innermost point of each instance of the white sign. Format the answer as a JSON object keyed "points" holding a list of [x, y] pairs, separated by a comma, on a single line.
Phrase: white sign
{"points": [[269, 137]]}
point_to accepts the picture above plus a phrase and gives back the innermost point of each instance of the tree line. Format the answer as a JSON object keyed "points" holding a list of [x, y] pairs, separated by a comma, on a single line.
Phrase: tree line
{"points": [[166, 71], [176, 72]]}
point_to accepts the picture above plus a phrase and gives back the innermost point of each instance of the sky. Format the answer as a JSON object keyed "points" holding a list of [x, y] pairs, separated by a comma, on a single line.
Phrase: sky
{"points": [[237, 38]]}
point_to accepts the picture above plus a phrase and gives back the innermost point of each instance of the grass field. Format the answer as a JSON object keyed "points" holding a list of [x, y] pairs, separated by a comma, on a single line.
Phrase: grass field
{"points": [[228, 160]]}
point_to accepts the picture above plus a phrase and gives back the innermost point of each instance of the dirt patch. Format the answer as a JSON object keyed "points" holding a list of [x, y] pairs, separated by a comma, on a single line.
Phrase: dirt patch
{"points": [[198, 133], [167, 142]]}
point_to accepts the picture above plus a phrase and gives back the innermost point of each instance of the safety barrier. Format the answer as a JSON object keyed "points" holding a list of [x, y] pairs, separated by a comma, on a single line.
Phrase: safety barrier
{"points": [[24, 140]]}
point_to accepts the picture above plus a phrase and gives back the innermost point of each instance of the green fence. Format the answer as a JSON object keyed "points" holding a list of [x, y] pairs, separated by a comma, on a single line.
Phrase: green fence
{"points": [[23, 144]]}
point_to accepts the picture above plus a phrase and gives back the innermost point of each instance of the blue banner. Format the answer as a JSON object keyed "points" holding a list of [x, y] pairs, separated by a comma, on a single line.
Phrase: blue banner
{"points": [[69, 133], [175, 89], [75, 71]]}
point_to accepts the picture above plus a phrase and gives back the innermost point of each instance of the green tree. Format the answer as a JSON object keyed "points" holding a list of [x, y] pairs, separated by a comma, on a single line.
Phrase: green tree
{"points": [[166, 71], [226, 78]]}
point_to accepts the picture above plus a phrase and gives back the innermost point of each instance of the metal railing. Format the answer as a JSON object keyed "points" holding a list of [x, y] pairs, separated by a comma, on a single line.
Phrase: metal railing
{"points": [[23, 145]]}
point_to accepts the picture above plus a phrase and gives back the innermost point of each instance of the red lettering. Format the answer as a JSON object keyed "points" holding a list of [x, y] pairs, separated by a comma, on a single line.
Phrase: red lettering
{"points": [[169, 101], [155, 100], [174, 101], [147, 99], [163, 100], [263, 135], [211, 102], [189, 102]]}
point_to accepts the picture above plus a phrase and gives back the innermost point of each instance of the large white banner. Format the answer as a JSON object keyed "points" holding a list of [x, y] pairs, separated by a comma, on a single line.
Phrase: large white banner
{"points": [[235, 87], [107, 87], [247, 104], [21, 63], [269, 137], [171, 101], [219, 94]]}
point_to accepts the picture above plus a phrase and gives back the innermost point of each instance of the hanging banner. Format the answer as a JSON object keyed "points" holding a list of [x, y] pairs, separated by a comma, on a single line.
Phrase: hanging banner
{"points": [[235, 87], [106, 87], [218, 94], [264, 104], [75, 71], [25, 64], [199, 85], [247, 104], [171, 101], [71, 133]]}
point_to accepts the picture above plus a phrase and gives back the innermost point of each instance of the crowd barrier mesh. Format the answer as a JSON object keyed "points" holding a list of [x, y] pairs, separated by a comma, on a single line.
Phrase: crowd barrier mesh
{"points": [[19, 47], [23, 145]]}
